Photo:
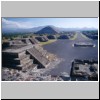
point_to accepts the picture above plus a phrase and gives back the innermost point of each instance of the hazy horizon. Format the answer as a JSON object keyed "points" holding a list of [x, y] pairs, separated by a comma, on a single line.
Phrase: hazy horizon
{"points": [[14, 23]]}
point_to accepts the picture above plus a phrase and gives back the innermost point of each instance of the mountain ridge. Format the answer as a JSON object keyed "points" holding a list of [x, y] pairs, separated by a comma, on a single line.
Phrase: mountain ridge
{"points": [[45, 29]]}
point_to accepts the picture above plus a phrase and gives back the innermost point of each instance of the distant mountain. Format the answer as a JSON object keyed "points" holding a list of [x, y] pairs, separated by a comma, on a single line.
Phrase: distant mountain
{"points": [[87, 29], [35, 29], [17, 30], [77, 29], [43, 29], [21, 30]]}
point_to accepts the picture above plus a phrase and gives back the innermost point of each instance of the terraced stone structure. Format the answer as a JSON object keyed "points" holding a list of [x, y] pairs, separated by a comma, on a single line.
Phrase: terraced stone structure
{"points": [[51, 37], [22, 55], [42, 38], [85, 68], [16, 57]]}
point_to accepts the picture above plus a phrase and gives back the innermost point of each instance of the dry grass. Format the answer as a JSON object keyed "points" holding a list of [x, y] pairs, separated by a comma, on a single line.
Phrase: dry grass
{"points": [[48, 42]]}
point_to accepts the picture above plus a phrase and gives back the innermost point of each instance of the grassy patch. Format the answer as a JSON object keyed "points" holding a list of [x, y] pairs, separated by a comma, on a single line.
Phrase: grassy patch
{"points": [[73, 38], [48, 42], [84, 36]]}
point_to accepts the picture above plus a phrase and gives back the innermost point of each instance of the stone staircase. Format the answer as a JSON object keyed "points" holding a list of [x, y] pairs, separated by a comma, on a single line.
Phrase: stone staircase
{"points": [[17, 60], [41, 59]]}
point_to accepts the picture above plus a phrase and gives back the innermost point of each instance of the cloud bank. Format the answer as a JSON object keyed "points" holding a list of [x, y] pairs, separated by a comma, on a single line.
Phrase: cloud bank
{"points": [[14, 25]]}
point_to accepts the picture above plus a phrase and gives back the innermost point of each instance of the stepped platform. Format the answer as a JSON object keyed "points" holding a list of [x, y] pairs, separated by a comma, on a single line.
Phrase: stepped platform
{"points": [[16, 57], [42, 60], [20, 56]]}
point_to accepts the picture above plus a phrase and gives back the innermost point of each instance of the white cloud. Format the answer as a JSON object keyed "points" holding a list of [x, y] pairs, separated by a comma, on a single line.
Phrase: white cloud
{"points": [[13, 24]]}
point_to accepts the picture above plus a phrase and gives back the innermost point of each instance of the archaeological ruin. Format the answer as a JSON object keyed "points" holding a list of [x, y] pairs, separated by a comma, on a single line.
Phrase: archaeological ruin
{"points": [[24, 53]]}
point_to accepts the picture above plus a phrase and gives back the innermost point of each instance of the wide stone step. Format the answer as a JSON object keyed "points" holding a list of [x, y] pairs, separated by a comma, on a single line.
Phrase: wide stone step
{"points": [[26, 62], [22, 57], [22, 61], [13, 55], [27, 65], [20, 65], [10, 59], [30, 67], [16, 60]]}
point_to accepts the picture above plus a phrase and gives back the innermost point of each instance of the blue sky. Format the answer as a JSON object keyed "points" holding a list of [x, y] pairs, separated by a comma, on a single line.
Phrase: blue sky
{"points": [[58, 22]]}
